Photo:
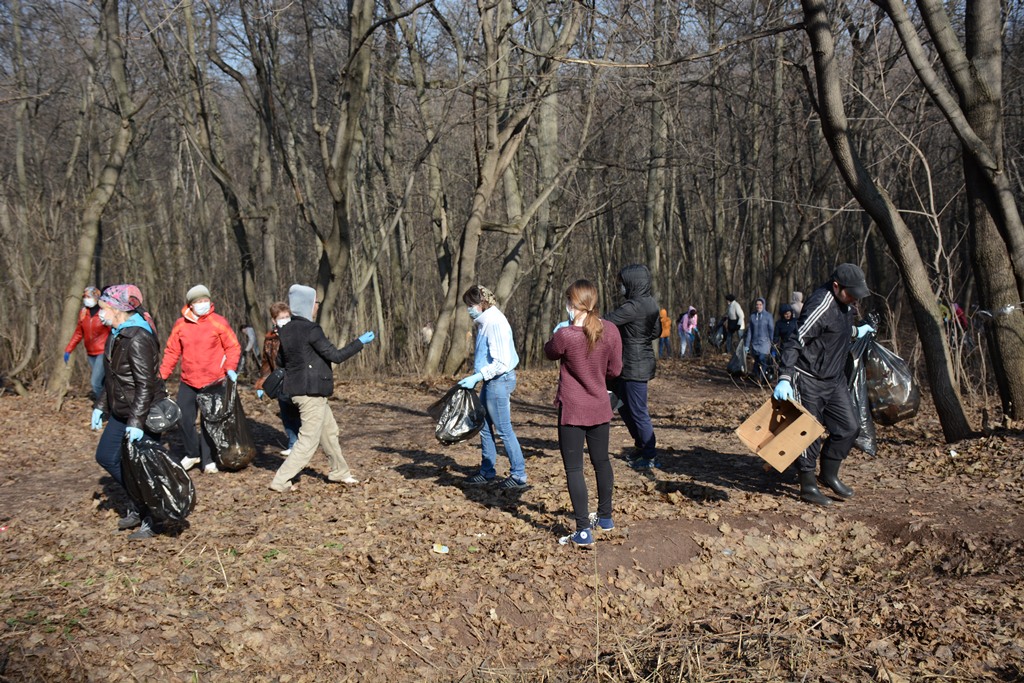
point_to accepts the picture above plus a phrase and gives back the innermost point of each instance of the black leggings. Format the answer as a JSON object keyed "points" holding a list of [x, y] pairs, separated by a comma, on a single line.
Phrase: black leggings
{"points": [[197, 444], [570, 443]]}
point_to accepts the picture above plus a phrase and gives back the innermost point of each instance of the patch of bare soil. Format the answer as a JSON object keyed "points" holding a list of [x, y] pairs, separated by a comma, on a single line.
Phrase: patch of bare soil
{"points": [[716, 571]]}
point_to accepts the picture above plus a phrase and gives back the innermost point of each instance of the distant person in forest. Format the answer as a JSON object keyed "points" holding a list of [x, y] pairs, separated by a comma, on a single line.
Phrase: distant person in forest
{"points": [[665, 341], [687, 327], [494, 363], [814, 362], [307, 355], [209, 351], [426, 333], [638, 320], [796, 302], [130, 388], [760, 330], [93, 334], [281, 315], [590, 351], [247, 338], [785, 326], [735, 324]]}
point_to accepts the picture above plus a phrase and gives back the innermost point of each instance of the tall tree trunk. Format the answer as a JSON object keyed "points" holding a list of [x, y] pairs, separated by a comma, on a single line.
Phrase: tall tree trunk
{"points": [[99, 196], [876, 202]]}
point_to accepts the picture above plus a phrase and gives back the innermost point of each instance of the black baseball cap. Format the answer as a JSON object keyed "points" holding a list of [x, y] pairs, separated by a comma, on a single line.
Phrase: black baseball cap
{"points": [[851, 278]]}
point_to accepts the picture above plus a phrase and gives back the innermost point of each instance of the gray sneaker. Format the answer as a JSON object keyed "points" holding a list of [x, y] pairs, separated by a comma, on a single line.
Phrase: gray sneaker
{"points": [[129, 521]]}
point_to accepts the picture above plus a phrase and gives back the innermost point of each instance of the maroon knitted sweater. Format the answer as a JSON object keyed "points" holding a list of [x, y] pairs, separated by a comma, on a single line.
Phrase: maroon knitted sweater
{"points": [[581, 380]]}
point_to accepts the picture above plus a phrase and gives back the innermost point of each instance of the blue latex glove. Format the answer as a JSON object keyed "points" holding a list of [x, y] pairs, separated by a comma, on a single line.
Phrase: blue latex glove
{"points": [[97, 419], [66, 356], [564, 323], [133, 434], [471, 381], [783, 390], [232, 375], [367, 337], [259, 393], [864, 330]]}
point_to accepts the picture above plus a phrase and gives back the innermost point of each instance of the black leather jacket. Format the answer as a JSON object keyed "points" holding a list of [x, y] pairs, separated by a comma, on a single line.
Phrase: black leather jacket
{"points": [[131, 360], [306, 356], [639, 323]]}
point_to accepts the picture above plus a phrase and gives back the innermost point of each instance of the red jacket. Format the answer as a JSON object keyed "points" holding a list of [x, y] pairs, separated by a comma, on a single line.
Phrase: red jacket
{"points": [[207, 347], [90, 329]]}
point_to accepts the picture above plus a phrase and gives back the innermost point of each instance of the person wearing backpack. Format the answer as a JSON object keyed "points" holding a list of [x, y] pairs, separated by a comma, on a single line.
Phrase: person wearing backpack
{"points": [[131, 386], [814, 362]]}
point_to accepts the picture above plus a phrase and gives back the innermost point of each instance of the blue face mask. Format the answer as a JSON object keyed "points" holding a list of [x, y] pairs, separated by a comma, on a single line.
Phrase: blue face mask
{"points": [[473, 313]]}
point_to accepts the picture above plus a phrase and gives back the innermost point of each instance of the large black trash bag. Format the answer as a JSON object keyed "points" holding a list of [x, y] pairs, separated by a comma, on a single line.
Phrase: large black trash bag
{"points": [[225, 424], [866, 440], [892, 390], [158, 481], [459, 415], [738, 363]]}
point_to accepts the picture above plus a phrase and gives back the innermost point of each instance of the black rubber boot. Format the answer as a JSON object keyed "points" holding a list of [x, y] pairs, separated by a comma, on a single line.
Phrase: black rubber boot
{"points": [[809, 492], [830, 477]]}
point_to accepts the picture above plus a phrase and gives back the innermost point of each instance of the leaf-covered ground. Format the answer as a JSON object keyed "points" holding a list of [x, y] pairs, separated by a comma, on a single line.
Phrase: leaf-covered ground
{"points": [[716, 570]]}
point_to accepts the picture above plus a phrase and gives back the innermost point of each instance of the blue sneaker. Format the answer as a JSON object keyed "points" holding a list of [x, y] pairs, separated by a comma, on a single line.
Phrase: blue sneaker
{"points": [[583, 538], [642, 464], [601, 523]]}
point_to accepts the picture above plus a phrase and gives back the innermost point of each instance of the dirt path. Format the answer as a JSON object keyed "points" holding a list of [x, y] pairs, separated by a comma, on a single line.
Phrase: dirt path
{"points": [[715, 571]]}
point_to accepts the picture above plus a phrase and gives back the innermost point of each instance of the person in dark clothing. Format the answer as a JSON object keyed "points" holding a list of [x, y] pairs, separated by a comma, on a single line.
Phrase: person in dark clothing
{"points": [[814, 360], [130, 387], [639, 323], [590, 351], [785, 327], [306, 355], [290, 420]]}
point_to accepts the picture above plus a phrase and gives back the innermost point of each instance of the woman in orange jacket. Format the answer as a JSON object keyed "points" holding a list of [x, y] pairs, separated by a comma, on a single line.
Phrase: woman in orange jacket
{"points": [[93, 334], [209, 351]]}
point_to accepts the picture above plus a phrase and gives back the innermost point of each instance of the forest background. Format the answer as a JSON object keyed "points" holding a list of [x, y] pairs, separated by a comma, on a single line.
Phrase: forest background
{"points": [[393, 153]]}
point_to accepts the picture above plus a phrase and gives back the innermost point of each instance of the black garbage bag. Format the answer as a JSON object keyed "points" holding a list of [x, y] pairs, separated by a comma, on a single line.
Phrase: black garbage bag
{"points": [[738, 363], [893, 393], [858, 380], [459, 415], [225, 425], [158, 481]]}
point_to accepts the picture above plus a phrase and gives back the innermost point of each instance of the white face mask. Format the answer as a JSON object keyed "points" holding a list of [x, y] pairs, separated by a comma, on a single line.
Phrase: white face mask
{"points": [[104, 317], [201, 308], [281, 322], [88, 303], [622, 290]]}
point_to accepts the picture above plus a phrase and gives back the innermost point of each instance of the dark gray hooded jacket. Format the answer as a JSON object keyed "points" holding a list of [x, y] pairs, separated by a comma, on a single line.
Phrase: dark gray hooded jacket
{"points": [[639, 323]]}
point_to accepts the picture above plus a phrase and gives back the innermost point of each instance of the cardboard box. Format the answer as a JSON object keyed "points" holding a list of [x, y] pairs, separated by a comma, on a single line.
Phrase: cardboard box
{"points": [[779, 431]]}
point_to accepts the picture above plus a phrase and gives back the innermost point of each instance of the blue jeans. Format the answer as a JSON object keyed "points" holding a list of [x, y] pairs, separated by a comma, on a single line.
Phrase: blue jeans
{"points": [[634, 413], [290, 419], [96, 378], [664, 347], [108, 450], [498, 405]]}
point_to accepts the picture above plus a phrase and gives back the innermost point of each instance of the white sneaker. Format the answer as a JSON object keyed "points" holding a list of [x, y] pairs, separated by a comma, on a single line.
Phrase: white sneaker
{"points": [[211, 468], [286, 451], [188, 463], [348, 479]]}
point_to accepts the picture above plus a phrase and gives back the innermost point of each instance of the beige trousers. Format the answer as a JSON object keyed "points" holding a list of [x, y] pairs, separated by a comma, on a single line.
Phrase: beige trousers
{"points": [[318, 427]]}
